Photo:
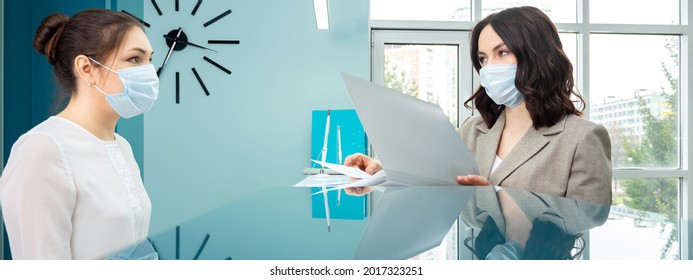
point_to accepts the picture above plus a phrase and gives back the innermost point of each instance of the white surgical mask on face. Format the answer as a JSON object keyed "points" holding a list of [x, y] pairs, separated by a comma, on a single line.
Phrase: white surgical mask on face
{"points": [[499, 82], [140, 90]]}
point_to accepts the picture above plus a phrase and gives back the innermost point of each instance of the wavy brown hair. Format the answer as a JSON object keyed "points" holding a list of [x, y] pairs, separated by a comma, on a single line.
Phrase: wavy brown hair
{"points": [[544, 73]]}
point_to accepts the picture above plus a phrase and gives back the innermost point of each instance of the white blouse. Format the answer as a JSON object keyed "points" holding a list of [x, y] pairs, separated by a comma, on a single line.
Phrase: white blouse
{"points": [[66, 194], [496, 163]]}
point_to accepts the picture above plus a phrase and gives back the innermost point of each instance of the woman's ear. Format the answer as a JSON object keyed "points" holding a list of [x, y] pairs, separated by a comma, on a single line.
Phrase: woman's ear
{"points": [[84, 69]]}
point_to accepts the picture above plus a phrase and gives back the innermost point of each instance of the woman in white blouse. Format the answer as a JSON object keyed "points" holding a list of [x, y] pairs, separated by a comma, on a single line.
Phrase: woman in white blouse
{"points": [[71, 188]]}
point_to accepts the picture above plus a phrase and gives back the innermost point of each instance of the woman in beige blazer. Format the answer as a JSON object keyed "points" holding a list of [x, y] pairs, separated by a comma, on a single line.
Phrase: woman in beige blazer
{"points": [[528, 134]]}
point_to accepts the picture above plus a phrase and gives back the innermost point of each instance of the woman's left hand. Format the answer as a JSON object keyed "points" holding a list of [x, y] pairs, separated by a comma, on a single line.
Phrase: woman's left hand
{"points": [[473, 180]]}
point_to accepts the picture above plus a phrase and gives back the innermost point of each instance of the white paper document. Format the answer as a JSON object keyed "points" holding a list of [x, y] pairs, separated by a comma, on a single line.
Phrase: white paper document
{"points": [[352, 177]]}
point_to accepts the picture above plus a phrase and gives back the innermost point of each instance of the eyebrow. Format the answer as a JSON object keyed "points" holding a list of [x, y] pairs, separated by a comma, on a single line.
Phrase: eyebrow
{"points": [[494, 48], [140, 50]]}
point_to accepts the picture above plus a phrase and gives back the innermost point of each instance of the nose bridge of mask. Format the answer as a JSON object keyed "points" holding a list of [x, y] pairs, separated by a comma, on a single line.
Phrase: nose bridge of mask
{"points": [[489, 71]]}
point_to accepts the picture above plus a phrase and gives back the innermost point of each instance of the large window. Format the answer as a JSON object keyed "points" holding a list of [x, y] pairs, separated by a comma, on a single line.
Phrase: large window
{"points": [[432, 66], [631, 62]]}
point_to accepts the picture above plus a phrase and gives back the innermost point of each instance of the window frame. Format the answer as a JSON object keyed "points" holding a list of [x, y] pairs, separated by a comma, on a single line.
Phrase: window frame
{"points": [[583, 28]]}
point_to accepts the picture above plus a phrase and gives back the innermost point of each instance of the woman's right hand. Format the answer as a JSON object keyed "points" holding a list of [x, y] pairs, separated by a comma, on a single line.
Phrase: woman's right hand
{"points": [[365, 163]]}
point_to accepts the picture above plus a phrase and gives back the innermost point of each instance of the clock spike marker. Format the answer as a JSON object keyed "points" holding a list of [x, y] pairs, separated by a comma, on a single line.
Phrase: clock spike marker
{"points": [[196, 7], [177, 87], [217, 65], [199, 80], [156, 6], [232, 42], [178, 242], [176, 5], [141, 21], [217, 18], [202, 247]]}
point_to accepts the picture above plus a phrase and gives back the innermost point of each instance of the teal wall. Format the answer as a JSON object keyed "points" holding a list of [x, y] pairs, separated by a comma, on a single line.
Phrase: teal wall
{"points": [[2, 129], [224, 164], [17, 86]]}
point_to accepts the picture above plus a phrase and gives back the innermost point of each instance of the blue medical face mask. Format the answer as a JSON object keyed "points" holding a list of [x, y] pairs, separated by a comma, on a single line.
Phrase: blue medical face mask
{"points": [[140, 90], [499, 82]]}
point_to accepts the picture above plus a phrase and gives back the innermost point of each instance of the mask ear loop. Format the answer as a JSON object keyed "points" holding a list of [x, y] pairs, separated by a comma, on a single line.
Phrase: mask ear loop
{"points": [[107, 68], [99, 63]]}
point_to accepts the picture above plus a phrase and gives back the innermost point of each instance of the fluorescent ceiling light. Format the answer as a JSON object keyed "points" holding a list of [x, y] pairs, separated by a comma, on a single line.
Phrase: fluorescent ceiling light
{"points": [[321, 17]]}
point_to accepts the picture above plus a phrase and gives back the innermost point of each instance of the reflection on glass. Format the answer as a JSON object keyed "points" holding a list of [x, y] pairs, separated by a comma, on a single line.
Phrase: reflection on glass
{"points": [[430, 73], [516, 224], [435, 10], [447, 250], [560, 11], [634, 93], [427, 72], [643, 223], [635, 11]]}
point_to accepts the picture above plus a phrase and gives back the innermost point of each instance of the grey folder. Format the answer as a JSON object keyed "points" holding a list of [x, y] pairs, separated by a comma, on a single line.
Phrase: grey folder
{"points": [[419, 148]]}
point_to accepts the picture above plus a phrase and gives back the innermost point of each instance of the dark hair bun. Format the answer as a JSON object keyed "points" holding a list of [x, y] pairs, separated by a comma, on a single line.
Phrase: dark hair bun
{"points": [[48, 33]]}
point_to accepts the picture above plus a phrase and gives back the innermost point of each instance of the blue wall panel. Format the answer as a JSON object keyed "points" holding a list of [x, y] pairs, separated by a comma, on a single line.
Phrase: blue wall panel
{"points": [[353, 140]]}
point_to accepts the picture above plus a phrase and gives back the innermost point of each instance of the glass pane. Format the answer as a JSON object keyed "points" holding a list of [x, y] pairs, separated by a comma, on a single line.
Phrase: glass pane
{"points": [[643, 223], [635, 11], [634, 94], [436, 10], [428, 72], [569, 41], [558, 10], [447, 250]]}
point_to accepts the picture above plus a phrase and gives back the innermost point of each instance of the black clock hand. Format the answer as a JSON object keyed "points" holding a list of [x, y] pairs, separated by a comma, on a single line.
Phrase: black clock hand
{"points": [[189, 43], [170, 50]]}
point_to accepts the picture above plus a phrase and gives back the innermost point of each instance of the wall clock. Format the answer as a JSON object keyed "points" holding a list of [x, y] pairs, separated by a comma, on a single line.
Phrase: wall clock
{"points": [[185, 31], [178, 242]]}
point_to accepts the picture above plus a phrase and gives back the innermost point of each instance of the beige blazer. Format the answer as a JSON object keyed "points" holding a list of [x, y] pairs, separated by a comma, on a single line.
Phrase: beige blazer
{"points": [[570, 159], [573, 216]]}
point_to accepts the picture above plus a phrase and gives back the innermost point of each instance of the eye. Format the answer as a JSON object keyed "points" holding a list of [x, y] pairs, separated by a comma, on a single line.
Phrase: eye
{"points": [[503, 52], [482, 60], [135, 59]]}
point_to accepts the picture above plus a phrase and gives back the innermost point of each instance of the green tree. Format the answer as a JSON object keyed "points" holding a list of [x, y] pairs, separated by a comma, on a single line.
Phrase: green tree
{"points": [[658, 148], [399, 80]]}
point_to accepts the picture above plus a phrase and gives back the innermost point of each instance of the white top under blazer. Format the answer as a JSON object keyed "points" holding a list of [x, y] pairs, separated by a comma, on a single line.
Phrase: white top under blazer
{"points": [[66, 194]]}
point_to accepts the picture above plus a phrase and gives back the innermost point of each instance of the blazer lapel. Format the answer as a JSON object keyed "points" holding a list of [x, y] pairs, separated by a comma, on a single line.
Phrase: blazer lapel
{"points": [[530, 144], [487, 144]]}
